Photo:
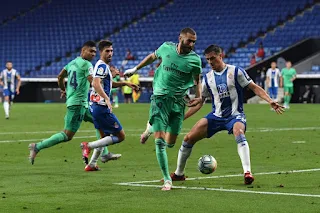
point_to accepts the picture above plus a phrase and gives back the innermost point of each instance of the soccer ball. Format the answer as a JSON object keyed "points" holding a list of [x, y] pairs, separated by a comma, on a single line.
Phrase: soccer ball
{"points": [[207, 164]]}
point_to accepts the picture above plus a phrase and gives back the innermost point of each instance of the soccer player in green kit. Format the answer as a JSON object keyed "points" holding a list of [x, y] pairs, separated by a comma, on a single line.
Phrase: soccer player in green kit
{"points": [[79, 76], [180, 69], [288, 75]]}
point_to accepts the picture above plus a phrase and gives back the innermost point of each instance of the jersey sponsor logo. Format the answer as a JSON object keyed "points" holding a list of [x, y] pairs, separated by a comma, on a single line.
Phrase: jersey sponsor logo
{"points": [[95, 98], [173, 68], [223, 91]]}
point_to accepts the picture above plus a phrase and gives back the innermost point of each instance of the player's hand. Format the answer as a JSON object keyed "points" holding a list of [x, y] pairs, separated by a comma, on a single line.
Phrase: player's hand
{"points": [[133, 86], [17, 91], [194, 102], [62, 94], [109, 105], [277, 107], [130, 72]]}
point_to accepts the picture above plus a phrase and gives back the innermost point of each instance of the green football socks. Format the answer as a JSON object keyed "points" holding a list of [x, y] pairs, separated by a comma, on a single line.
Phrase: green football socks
{"points": [[162, 158], [53, 140]]}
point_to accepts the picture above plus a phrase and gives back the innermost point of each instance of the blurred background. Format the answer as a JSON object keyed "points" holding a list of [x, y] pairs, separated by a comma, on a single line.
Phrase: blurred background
{"points": [[41, 37]]}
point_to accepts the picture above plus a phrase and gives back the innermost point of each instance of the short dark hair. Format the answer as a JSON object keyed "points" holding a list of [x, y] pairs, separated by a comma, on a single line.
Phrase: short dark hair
{"points": [[213, 48], [89, 44], [103, 44], [188, 30]]}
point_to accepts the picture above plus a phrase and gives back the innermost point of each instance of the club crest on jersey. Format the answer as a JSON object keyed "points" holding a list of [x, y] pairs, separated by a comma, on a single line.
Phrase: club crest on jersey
{"points": [[223, 91], [230, 76], [116, 125]]}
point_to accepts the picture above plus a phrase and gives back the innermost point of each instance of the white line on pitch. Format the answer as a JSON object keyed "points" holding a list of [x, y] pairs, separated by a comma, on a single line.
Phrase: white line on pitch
{"points": [[228, 176], [226, 190], [184, 129], [298, 141], [45, 132]]}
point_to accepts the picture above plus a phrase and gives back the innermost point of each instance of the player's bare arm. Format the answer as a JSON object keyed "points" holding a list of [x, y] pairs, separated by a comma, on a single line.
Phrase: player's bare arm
{"points": [[96, 83], [90, 79], [18, 84], [62, 75], [121, 84], [193, 110], [198, 98], [262, 94], [146, 61]]}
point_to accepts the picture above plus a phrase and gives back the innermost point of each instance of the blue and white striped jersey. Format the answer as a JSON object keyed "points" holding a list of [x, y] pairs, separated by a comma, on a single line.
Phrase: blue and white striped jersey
{"points": [[101, 70], [226, 90], [9, 79], [274, 76]]}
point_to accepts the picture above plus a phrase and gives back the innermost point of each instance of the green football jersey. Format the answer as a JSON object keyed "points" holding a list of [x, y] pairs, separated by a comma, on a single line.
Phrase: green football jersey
{"points": [[116, 78], [287, 75], [78, 85], [175, 74]]}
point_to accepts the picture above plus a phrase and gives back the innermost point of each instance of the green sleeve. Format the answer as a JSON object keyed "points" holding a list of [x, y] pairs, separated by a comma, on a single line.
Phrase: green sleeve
{"points": [[89, 69], [160, 51], [281, 72], [295, 72], [197, 68]]}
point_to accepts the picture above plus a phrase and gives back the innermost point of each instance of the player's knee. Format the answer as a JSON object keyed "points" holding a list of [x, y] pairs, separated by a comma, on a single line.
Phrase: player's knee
{"points": [[237, 132], [189, 138]]}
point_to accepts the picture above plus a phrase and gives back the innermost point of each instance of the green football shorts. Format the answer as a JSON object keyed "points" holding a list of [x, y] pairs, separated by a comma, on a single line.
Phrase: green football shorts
{"points": [[74, 117], [88, 116], [166, 114], [288, 89]]}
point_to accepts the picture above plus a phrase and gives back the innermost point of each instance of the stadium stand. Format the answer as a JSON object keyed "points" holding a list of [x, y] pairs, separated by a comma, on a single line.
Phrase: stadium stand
{"points": [[42, 42]]}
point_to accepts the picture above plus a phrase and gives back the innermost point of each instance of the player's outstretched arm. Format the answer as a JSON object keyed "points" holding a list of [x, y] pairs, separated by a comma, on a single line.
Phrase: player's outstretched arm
{"points": [[146, 61], [262, 94], [192, 110], [123, 83]]}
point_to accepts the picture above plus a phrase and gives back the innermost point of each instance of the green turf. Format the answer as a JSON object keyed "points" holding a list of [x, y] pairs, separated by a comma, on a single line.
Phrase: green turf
{"points": [[57, 182]]}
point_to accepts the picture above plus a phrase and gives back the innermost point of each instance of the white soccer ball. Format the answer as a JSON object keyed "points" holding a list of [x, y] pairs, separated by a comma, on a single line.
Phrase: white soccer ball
{"points": [[207, 164]]}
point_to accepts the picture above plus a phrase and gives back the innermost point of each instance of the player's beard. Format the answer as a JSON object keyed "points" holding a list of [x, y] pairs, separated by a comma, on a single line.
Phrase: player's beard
{"points": [[185, 48], [108, 59]]}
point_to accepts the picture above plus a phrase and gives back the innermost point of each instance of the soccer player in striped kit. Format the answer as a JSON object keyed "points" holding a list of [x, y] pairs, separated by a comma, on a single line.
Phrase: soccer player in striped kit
{"points": [[224, 85], [10, 79], [273, 78]]}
